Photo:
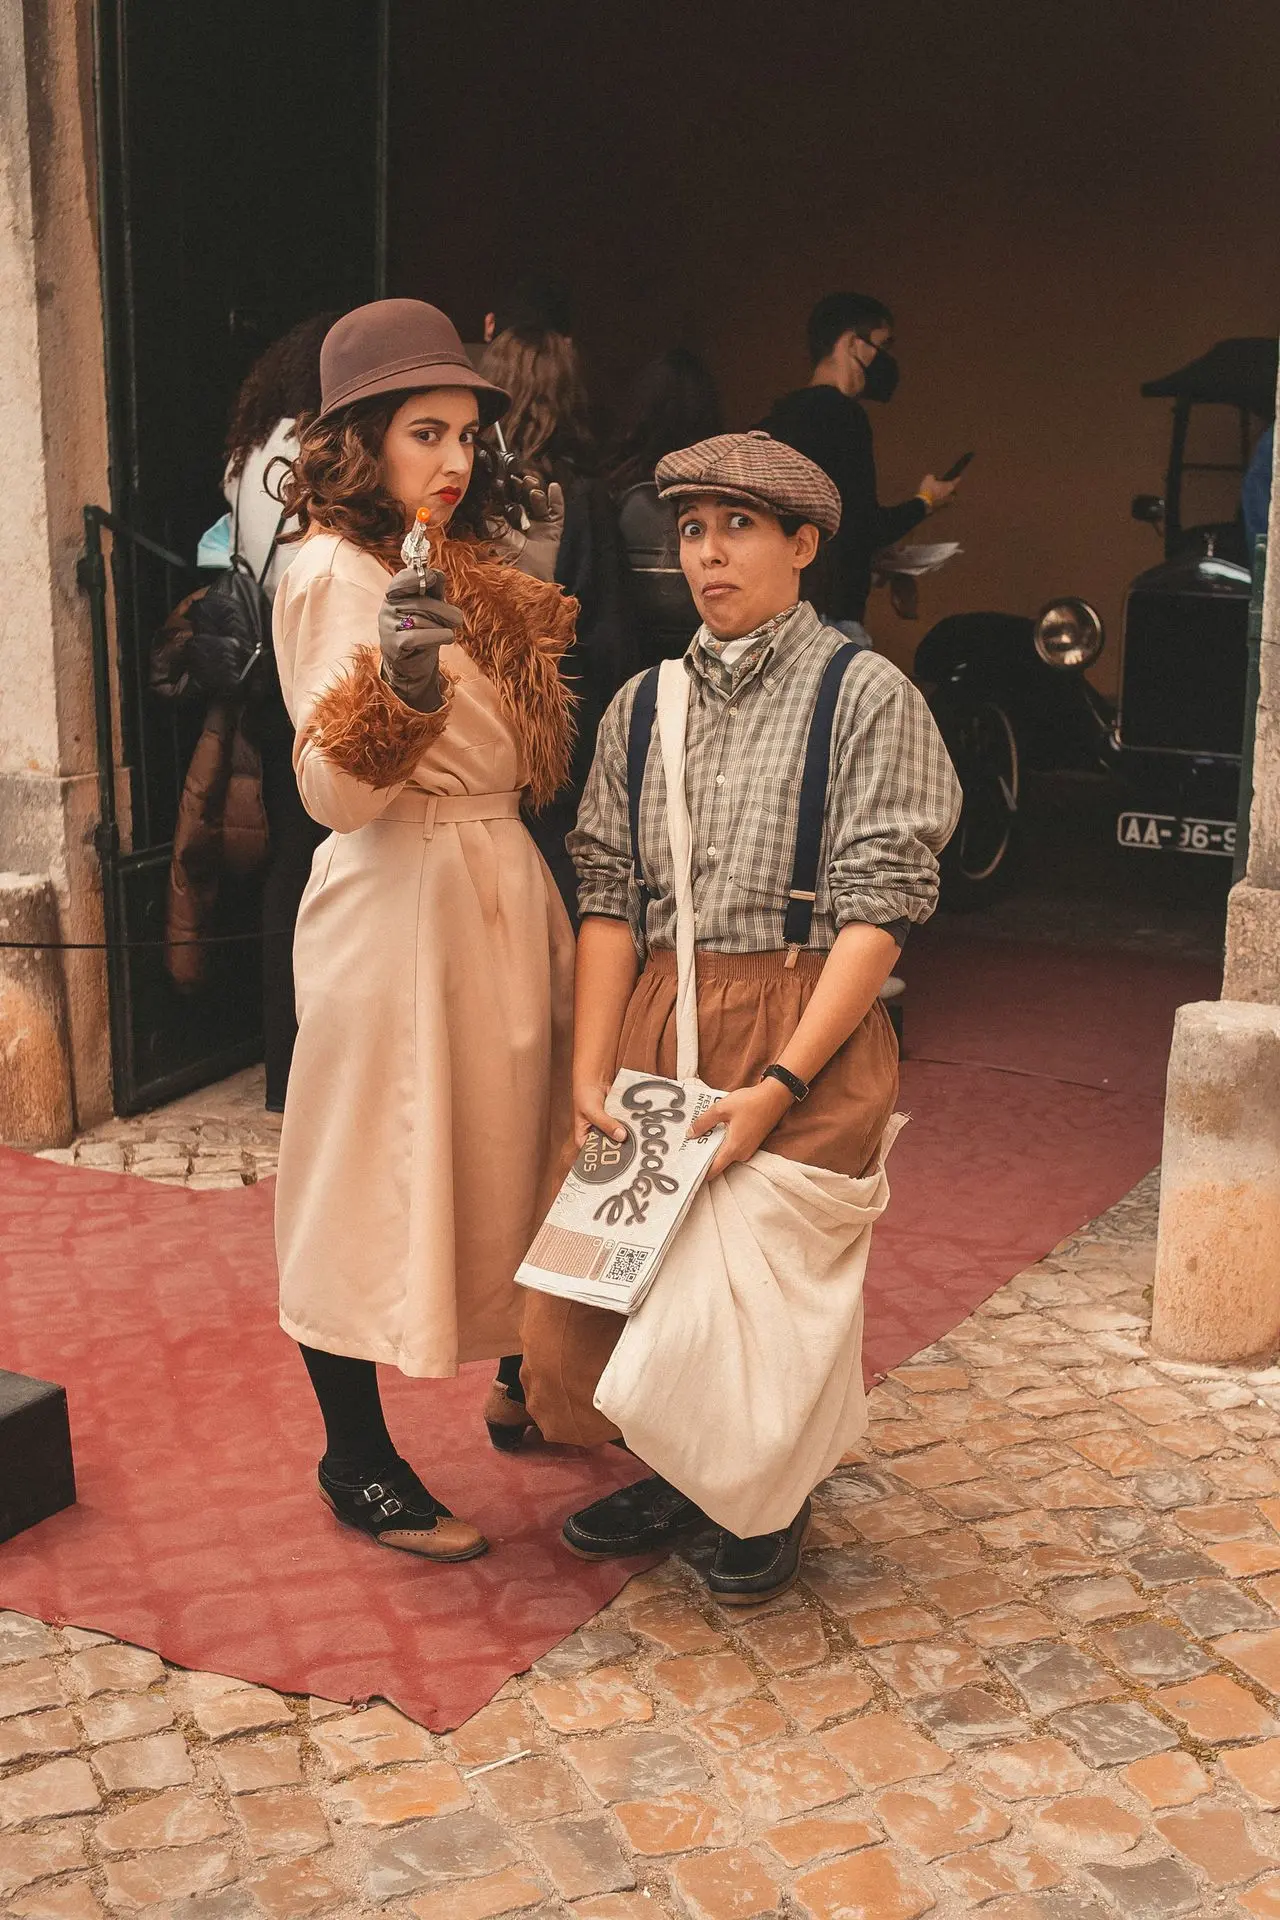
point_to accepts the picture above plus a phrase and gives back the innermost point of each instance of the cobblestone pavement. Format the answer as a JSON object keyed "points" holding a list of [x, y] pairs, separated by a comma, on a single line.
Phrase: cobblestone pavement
{"points": [[218, 1137], [1030, 1672]]}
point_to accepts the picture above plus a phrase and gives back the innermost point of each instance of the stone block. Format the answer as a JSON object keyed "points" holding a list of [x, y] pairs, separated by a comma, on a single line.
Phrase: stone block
{"points": [[637, 1766], [1253, 944], [1158, 1890], [37, 1477], [1164, 1566], [35, 1062], [744, 1724], [1217, 1284], [1050, 1676], [581, 1857], [834, 1830], [22, 1638], [881, 1749], [458, 1846], [814, 1699], [771, 1783], [968, 1717], [941, 1819], [589, 1648], [1115, 1732], [733, 1885], [872, 1882], [1152, 1653]]}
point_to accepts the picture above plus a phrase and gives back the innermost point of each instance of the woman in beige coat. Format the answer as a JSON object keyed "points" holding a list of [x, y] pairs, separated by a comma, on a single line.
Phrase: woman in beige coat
{"points": [[433, 957]]}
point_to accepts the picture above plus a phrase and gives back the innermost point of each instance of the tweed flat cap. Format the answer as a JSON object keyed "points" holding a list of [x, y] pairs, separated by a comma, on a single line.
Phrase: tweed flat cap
{"points": [[756, 469]]}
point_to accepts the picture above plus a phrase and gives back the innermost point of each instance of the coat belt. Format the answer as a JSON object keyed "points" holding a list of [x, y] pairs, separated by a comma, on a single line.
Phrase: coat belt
{"points": [[428, 810]]}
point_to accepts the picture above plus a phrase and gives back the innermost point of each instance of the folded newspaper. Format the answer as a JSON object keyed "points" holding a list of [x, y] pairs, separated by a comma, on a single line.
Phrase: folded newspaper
{"points": [[622, 1201]]}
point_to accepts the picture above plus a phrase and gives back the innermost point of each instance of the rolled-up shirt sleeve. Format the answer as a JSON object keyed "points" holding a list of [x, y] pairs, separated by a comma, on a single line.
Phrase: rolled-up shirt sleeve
{"points": [[600, 843], [894, 804]]}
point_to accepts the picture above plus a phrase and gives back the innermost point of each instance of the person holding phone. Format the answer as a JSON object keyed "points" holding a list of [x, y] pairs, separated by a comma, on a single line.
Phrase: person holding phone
{"points": [[850, 342]]}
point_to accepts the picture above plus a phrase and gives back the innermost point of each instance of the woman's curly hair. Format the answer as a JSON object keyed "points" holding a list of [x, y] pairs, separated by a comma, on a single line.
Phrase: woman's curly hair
{"points": [[282, 383], [336, 482]]}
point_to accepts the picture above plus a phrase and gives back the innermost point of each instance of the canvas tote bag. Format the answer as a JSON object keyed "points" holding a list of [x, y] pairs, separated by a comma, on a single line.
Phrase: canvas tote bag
{"points": [[739, 1378]]}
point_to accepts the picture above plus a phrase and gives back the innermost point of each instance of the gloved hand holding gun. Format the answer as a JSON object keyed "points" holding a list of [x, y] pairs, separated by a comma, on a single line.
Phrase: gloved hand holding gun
{"points": [[528, 534], [414, 622]]}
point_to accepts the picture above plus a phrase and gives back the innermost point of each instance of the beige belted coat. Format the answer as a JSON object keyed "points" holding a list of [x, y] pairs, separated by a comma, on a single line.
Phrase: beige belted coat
{"points": [[433, 961]]}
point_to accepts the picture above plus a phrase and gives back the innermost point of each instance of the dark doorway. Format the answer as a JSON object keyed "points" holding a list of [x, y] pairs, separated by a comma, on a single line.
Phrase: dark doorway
{"points": [[242, 189]]}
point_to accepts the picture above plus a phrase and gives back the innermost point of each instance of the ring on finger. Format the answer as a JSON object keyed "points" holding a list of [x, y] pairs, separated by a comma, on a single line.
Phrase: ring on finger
{"points": [[406, 625]]}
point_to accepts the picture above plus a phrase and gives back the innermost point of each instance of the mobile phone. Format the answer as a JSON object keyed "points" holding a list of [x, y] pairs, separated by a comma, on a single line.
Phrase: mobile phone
{"points": [[953, 473]]}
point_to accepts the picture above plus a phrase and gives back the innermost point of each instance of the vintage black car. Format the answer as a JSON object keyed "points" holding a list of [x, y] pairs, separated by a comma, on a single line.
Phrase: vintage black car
{"points": [[1010, 691]]}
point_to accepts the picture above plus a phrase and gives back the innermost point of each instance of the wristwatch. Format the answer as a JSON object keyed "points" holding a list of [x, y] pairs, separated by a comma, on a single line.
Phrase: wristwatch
{"points": [[795, 1086]]}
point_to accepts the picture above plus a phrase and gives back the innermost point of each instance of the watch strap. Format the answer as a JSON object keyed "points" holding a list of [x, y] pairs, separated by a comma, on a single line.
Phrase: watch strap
{"points": [[795, 1086]]}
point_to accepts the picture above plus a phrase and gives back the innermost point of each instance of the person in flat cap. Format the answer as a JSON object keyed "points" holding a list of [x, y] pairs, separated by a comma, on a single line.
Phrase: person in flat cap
{"points": [[793, 737], [433, 955]]}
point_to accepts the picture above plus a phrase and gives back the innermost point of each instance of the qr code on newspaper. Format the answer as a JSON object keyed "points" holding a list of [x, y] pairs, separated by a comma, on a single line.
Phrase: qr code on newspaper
{"points": [[627, 1264]]}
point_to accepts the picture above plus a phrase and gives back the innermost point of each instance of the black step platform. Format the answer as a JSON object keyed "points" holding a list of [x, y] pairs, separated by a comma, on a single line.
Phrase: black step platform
{"points": [[37, 1477]]}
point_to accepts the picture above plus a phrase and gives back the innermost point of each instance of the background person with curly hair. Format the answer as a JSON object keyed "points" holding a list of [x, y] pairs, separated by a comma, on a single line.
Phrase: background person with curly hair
{"points": [[433, 957], [547, 428], [282, 385]]}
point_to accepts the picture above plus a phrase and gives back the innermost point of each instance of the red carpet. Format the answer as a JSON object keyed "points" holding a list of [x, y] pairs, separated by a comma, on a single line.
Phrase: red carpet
{"points": [[1034, 1077], [197, 1532]]}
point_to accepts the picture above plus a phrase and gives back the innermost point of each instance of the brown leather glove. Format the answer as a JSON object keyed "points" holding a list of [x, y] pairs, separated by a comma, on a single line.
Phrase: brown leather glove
{"points": [[534, 549], [412, 628]]}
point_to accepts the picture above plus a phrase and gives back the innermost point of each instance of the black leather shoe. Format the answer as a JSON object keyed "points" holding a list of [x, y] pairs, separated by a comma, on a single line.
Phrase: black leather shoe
{"points": [[396, 1510], [745, 1572], [636, 1519]]}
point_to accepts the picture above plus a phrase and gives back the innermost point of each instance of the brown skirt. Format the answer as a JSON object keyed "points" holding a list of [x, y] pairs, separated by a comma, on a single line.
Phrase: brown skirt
{"points": [[749, 1005]]}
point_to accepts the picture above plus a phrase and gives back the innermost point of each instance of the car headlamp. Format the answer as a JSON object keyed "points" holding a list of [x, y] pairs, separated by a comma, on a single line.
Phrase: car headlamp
{"points": [[1068, 633]]}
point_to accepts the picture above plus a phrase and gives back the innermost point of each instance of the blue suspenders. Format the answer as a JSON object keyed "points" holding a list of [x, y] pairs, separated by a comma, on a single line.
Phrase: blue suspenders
{"points": [[798, 918]]}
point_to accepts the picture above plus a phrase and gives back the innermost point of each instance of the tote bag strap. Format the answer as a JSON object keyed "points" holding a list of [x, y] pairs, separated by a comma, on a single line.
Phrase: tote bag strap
{"points": [[673, 716]]}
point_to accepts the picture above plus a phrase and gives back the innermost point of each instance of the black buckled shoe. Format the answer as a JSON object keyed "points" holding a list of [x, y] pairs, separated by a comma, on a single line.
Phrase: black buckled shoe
{"points": [[746, 1572], [397, 1511], [636, 1519]]}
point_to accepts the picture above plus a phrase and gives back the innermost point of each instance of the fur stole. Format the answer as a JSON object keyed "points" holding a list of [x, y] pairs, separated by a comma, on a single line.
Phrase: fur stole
{"points": [[517, 630]]}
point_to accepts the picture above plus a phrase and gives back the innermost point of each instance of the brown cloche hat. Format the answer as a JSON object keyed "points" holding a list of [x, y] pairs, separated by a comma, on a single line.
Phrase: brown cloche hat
{"points": [[756, 469], [396, 346]]}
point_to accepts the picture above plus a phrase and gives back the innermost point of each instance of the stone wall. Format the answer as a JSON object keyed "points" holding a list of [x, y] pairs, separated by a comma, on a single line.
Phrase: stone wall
{"points": [[1253, 919], [1217, 1281], [54, 436]]}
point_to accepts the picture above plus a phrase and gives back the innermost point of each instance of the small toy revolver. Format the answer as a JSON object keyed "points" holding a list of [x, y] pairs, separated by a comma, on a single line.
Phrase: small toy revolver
{"points": [[416, 551]]}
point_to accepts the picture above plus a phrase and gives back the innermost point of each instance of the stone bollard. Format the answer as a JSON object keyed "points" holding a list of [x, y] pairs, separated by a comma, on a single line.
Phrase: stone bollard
{"points": [[35, 1068], [1217, 1286]]}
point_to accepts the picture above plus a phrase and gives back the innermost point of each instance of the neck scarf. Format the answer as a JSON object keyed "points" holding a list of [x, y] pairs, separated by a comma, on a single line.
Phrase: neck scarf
{"points": [[729, 662]]}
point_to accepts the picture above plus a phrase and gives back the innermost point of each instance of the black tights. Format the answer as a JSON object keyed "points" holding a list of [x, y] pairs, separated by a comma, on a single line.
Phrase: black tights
{"points": [[358, 1446]]}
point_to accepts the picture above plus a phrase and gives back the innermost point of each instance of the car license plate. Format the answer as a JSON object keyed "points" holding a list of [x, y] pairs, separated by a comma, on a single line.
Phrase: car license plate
{"points": [[1172, 833]]}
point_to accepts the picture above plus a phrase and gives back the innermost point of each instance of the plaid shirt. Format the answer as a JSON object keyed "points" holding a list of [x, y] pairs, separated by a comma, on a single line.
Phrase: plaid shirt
{"points": [[892, 802]]}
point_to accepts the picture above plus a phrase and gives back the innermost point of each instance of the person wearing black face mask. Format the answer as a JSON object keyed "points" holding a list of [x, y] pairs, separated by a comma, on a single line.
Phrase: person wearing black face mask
{"points": [[850, 336]]}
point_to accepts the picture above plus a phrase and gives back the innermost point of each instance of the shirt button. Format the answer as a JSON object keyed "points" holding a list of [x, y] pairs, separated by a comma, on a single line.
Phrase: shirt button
{"points": [[711, 853], [719, 779]]}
